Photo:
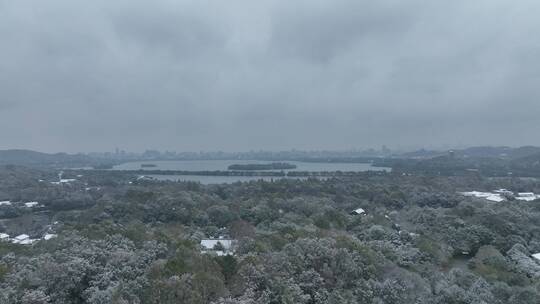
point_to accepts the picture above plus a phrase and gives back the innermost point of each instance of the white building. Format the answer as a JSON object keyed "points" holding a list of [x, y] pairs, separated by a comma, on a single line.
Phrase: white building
{"points": [[27, 242], [20, 239], [31, 204], [219, 247], [504, 191], [527, 196], [493, 197], [49, 236], [358, 211], [64, 181]]}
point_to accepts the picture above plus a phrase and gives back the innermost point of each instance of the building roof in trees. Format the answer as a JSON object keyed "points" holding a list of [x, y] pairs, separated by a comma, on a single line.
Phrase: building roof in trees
{"points": [[209, 244], [21, 237], [359, 211]]}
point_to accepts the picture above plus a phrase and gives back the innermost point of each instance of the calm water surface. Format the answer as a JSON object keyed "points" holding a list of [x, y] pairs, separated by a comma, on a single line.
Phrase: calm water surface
{"points": [[207, 180], [221, 165]]}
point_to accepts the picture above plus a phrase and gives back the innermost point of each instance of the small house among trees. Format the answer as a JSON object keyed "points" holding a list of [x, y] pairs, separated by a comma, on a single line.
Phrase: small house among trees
{"points": [[219, 247], [358, 211]]}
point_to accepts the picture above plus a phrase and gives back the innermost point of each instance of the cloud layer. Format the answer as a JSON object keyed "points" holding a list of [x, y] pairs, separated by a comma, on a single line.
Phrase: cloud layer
{"points": [[240, 75]]}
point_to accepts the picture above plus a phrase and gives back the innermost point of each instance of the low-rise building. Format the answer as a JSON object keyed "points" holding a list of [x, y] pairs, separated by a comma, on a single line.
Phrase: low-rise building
{"points": [[358, 211], [527, 196], [49, 236], [219, 247], [27, 242], [31, 204], [20, 239]]}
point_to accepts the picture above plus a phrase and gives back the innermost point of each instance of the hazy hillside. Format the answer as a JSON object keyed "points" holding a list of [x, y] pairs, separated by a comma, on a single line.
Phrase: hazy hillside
{"points": [[33, 158], [498, 152], [530, 162], [502, 152]]}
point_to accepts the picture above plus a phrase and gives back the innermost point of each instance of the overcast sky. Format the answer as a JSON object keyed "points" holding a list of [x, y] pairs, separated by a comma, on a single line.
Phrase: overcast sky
{"points": [[240, 75]]}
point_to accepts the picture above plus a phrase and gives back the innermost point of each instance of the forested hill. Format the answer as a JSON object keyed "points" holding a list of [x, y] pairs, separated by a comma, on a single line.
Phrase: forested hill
{"points": [[531, 162], [502, 152], [109, 237], [33, 158], [498, 152]]}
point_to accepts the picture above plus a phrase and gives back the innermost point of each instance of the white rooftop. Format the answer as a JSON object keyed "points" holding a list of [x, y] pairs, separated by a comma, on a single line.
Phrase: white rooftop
{"points": [[49, 236], [527, 196], [31, 204], [21, 237], [64, 181], [26, 242], [494, 197], [359, 211], [4, 236], [210, 243], [498, 195], [536, 256], [5, 203]]}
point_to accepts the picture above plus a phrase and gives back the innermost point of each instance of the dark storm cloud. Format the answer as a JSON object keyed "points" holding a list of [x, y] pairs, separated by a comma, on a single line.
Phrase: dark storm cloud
{"points": [[237, 75]]}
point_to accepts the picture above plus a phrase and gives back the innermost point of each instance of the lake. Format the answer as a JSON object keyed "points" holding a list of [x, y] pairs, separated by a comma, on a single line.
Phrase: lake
{"points": [[207, 180], [222, 165]]}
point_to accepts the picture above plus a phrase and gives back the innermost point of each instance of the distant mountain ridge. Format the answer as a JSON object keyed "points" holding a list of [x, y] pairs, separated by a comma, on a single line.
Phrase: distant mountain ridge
{"points": [[499, 152], [34, 158], [531, 162], [521, 158], [502, 152]]}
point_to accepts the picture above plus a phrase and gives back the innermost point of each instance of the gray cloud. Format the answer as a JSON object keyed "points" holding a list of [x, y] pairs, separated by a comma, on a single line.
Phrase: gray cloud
{"points": [[238, 75]]}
